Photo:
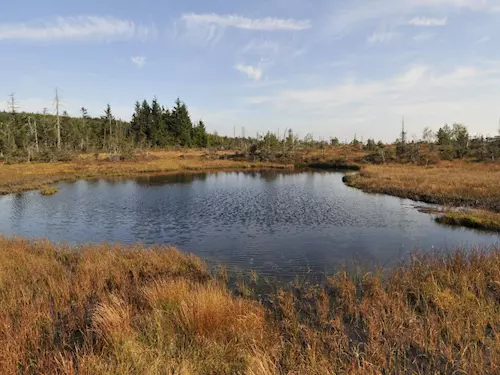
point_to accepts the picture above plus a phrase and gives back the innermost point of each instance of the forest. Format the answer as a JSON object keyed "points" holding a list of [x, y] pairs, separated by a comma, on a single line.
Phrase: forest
{"points": [[50, 136]]}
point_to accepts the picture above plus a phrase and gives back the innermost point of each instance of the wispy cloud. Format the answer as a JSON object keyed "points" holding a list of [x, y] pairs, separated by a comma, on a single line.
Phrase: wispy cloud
{"points": [[428, 21], [349, 16], [81, 29], [139, 61], [261, 47], [475, 5], [381, 37], [239, 22], [253, 72]]}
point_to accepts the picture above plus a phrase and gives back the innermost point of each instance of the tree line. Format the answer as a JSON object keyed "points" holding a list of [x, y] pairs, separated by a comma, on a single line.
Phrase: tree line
{"points": [[55, 136], [447, 143], [48, 136]]}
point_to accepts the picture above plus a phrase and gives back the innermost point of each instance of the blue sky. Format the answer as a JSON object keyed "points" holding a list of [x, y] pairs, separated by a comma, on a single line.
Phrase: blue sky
{"points": [[331, 68]]}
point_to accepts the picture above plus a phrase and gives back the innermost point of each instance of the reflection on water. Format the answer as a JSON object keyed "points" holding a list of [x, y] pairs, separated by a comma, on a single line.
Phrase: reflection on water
{"points": [[278, 223]]}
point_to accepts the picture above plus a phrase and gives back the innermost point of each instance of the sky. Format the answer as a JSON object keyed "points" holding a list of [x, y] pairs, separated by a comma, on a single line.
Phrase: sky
{"points": [[327, 67]]}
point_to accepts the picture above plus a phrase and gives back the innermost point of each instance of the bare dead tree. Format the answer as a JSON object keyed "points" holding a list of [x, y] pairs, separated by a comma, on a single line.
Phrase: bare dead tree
{"points": [[57, 102], [34, 131], [13, 108]]}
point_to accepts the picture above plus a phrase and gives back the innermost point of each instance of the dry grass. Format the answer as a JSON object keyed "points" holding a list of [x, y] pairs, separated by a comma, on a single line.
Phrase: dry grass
{"points": [[477, 219], [48, 190], [451, 183], [112, 310], [21, 177]]}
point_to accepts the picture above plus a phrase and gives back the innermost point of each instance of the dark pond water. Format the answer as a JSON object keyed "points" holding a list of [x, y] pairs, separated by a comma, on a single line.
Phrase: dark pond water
{"points": [[277, 223]]}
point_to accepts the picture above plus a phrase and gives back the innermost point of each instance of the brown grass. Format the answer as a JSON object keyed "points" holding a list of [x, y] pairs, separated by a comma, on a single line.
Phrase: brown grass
{"points": [[48, 190], [110, 310], [21, 177], [477, 219], [451, 183]]}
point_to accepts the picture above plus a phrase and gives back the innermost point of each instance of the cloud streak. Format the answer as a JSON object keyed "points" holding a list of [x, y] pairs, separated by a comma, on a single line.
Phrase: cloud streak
{"points": [[240, 22], [381, 37], [349, 16], [428, 22], [75, 29]]}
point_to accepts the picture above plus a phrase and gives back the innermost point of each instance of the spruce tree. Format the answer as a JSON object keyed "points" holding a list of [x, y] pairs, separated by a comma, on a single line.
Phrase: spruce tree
{"points": [[181, 126], [199, 138]]}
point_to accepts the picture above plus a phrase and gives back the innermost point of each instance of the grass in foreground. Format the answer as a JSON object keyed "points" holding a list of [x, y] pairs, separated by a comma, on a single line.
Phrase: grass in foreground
{"points": [[111, 310], [449, 183], [476, 219]]}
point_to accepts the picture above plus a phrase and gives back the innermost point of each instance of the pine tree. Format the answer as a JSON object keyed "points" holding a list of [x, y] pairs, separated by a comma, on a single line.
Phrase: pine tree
{"points": [[157, 124], [444, 140], [181, 126], [145, 120], [135, 124], [460, 140], [199, 137]]}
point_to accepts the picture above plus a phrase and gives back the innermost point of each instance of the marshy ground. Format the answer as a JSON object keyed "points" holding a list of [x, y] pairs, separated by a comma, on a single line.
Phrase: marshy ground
{"points": [[460, 183], [454, 184], [107, 309], [31, 176]]}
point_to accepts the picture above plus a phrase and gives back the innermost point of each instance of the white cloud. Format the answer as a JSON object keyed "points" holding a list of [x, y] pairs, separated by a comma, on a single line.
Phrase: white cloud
{"points": [[239, 22], [270, 51], [139, 61], [475, 5], [428, 21], [381, 37], [425, 95], [252, 72], [350, 15], [81, 28]]}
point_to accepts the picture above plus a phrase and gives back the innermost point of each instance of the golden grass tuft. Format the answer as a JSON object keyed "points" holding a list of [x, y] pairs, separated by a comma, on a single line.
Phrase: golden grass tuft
{"points": [[107, 309], [477, 219], [49, 190]]}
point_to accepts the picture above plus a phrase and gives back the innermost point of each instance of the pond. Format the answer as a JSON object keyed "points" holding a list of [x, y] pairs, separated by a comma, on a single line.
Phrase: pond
{"points": [[276, 223]]}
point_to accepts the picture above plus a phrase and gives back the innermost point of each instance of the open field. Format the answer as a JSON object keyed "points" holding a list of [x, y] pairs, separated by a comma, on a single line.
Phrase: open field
{"points": [[456, 184], [111, 310], [30, 176]]}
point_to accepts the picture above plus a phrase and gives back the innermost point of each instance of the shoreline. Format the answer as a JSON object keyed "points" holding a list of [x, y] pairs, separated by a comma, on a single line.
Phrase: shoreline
{"points": [[483, 209], [470, 196], [18, 178]]}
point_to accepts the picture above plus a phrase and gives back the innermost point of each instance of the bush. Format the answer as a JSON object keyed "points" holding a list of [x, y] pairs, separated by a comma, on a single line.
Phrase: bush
{"points": [[53, 155]]}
